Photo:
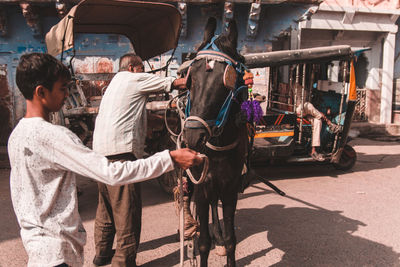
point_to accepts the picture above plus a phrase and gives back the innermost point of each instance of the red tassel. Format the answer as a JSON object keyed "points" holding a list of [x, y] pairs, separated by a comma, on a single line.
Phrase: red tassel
{"points": [[208, 67]]}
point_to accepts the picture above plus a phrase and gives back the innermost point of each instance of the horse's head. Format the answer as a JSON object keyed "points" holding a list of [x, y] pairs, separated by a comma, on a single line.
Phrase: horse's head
{"points": [[213, 79]]}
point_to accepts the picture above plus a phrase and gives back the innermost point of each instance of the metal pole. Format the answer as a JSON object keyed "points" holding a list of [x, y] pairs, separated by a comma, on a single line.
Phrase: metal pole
{"points": [[311, 82], [302, 102], [341, 104], [295, 87], [269, 87], [291, 84], [181, 221]]}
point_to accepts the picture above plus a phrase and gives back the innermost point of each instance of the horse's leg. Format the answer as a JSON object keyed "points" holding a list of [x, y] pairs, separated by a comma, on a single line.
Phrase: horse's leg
{"points": [[229, 207], [217, 232], [191, 225], [204, 239]]}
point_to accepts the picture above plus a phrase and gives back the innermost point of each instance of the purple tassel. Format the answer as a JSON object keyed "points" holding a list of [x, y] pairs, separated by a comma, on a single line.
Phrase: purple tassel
{"points": [[253, 110]]}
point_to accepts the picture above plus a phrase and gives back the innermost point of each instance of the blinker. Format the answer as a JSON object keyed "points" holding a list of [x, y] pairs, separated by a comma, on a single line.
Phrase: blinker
{"points": [[230, 76], [188, 81]]}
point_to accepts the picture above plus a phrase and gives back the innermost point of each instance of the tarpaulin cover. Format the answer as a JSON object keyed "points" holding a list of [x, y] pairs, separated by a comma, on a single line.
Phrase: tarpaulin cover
{"points": [[153, 28]]}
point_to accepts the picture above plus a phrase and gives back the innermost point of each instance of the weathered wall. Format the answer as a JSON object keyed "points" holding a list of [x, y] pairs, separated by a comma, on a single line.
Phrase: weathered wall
{"points": [[19, 40], [100, 53]]}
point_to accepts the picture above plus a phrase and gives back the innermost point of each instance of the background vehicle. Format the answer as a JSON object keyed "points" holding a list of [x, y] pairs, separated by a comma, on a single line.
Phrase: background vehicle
{"points": [[285, 135], [152, 29]]}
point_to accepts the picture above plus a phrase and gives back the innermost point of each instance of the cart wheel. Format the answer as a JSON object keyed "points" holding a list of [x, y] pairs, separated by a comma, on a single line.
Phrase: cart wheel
{"points": [[347, 160], [168, 181]]}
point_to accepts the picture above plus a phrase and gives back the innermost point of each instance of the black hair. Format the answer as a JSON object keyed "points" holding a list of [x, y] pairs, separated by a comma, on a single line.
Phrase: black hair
{"points": [[129, 59], [36, 69]]}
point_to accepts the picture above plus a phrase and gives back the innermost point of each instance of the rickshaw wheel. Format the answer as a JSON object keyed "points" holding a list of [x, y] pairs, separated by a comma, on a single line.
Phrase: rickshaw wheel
{"points": [[168, 181], [347, 160]]}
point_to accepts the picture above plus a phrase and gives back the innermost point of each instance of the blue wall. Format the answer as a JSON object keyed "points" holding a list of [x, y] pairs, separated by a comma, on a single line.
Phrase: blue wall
{"points": [[20, 40]]}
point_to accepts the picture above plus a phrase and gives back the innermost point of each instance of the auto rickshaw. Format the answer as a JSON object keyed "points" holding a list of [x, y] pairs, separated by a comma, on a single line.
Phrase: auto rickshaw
{"points": [[297, 77]]}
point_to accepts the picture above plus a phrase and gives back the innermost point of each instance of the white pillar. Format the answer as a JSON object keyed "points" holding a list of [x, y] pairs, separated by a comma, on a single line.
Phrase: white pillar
{"points": [[334, 72], [387, 78], [294, 39]]}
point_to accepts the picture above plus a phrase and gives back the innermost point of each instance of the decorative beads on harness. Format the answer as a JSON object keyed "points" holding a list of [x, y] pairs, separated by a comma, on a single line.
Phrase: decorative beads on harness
{"points": [[248, 80], [251, 107]]}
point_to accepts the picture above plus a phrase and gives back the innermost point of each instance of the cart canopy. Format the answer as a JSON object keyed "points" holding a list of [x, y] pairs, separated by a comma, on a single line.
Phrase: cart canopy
{"points": [[152, 28], [287, 57]]}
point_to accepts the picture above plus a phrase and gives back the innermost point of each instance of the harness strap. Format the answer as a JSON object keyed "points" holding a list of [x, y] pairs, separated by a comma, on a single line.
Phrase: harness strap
{"points": [[223, 148], [192, 124], [212, 44], [195, 118], [216, 55]]}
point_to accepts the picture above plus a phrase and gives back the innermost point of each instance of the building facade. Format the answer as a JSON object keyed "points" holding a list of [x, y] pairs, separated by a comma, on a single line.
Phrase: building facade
{"points": [[362, 24], [23, 26]]}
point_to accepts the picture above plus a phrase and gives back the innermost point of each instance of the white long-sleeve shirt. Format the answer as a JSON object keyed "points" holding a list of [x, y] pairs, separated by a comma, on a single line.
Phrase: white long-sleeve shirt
{"points": [[121, 124], [44, 159]]}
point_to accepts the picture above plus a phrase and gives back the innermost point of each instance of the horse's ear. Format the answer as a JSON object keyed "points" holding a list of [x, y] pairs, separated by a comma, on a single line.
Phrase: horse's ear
{"points": [[232, 33], [209, 31]]}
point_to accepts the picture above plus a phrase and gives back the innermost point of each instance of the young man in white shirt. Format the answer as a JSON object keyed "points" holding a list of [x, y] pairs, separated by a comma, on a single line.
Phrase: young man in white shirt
{"points": [[45, 159]]}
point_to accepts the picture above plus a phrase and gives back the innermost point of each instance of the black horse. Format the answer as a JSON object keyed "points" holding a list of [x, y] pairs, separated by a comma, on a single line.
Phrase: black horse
{"points": [[224, 141]]}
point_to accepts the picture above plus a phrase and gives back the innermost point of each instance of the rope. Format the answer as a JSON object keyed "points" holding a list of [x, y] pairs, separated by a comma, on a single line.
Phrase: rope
{"points": [[203, 174], [181, 113], [181, 222], [205, 166]]}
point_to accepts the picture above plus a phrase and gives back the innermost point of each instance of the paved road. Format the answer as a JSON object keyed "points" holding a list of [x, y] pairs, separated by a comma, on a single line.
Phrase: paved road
{"points": [[329, 218]]}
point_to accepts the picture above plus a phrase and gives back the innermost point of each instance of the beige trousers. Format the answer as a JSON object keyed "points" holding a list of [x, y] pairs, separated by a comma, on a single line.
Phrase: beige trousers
{"points": [[312, 114]]}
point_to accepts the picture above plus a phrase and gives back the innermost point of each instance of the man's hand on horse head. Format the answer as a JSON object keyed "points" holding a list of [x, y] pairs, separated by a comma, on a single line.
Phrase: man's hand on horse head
{"points": [[179, 84], [186, 158]]}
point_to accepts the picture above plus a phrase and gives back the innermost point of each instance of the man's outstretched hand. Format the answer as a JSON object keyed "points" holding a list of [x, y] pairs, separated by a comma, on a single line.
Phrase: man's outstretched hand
{"points": [[185, 158]]}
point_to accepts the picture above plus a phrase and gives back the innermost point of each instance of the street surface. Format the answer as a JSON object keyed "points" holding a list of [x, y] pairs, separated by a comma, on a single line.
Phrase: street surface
{"points": [[328, 218]]}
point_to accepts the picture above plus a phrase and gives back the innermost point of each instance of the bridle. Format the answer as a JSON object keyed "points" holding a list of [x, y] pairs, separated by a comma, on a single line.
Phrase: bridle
{"points": [[215, 127], [234, 70]]}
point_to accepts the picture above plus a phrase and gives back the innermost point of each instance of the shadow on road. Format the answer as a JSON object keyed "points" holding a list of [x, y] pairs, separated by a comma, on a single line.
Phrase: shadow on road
{"points": [[365, 162], [312, 237], [307, 236], [375, 141]]}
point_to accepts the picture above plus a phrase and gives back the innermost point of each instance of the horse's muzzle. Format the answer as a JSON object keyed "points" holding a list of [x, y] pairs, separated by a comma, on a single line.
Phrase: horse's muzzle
{"points": [[195, 139]]}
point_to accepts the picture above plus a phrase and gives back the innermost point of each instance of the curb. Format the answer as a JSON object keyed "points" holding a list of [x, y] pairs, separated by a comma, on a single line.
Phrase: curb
{"points": [[376, 131]]}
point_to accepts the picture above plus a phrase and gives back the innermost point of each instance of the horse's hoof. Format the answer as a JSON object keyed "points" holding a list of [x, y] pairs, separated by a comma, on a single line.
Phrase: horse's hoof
{"points": [[220, 250]]}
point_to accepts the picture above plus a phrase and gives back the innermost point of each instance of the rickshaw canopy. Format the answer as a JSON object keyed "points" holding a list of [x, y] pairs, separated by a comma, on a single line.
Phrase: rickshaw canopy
{"points": [[287, 57], [152, 28]]}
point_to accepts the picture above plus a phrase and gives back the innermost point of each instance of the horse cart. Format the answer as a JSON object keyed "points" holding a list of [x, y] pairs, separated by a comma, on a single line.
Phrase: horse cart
{"points": [[322, 76], [151, 28]]}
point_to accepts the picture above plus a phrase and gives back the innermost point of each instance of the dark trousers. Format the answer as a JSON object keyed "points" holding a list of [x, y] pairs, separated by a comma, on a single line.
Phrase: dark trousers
{"points": [[119, 214]]}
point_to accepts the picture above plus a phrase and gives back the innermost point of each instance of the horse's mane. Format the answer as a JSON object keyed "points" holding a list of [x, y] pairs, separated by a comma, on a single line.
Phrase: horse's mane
{"points": [[226, 42]]}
